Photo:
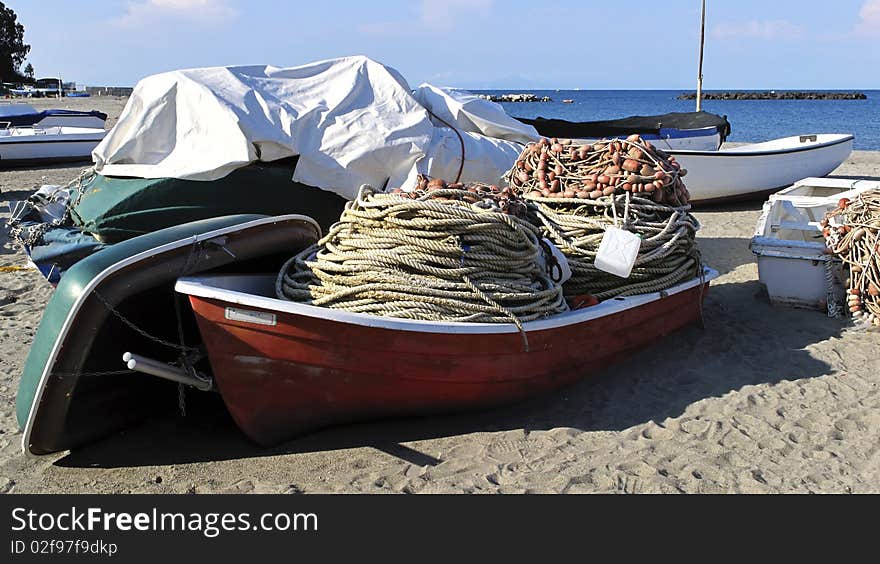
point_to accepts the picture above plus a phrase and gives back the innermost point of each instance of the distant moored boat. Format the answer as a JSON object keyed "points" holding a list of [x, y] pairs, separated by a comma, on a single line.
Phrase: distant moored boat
{"points": [[23, 146]]}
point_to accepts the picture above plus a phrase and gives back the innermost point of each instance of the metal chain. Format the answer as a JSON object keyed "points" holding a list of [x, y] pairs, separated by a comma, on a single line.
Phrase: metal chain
{"points": [[181, 399], [138, 330], [835, 308], [78, 374]]}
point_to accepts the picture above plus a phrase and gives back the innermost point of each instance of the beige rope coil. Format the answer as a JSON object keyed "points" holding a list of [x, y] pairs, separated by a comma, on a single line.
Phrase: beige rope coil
{"points": [[668, 254], [857, 243], [431, 258]]}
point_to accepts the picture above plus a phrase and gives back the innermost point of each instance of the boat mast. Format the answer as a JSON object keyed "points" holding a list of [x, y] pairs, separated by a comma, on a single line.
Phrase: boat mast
{"points": [[700, 70]]}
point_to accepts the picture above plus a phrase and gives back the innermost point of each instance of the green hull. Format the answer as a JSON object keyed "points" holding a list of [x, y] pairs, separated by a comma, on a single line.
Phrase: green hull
{"points": [[114, 209], [80, 342]]}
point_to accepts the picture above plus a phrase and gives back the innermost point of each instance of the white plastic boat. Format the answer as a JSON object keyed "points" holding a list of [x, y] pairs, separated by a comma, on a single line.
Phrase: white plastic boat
{"points": [[22, 146], [758, 169], [790, 248], [24, 115]]}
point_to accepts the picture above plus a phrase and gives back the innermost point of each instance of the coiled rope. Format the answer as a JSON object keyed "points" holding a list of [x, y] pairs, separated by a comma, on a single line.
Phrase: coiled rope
{"points": [[436, 257], [668, 254]]}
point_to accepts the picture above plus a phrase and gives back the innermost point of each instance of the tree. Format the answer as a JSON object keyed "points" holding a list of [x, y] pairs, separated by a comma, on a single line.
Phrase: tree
{"points": [[13, 49], [29, 71]]}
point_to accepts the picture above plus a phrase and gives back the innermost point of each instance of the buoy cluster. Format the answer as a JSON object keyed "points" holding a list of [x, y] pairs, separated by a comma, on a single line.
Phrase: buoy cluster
{"points": [[484, 196], [560, 169]]}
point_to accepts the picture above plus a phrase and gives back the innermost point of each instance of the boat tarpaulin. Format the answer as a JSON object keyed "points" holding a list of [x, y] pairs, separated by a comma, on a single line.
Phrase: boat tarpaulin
{"points": [[471, 113], [629, 125], [351, 121]]}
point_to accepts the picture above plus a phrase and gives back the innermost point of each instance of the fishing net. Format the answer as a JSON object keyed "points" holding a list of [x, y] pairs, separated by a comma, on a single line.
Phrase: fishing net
{"points": [[852, 232]]}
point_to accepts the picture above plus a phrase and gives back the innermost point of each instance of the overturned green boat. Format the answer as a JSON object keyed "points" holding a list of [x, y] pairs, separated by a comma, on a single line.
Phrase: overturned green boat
{"points": [[74, 387]]}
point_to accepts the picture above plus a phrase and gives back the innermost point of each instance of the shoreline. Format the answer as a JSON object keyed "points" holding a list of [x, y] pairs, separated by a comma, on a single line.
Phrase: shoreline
{"points": [[760, 400]]}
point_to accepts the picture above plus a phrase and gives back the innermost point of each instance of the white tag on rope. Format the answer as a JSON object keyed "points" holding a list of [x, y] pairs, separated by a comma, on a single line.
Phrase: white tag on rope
{"points": [[618, 252], [559, 270]]}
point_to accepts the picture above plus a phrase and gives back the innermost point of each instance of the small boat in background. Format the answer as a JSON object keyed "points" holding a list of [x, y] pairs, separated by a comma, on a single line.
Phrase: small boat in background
{"points": [[24, 115], [755, 170], [699, 131], [25, 146], [285, 368]]}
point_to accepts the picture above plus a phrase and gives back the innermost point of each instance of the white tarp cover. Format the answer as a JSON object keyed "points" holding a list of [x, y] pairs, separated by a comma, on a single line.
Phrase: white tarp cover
{"points": [[352, 121], [468, 112]]}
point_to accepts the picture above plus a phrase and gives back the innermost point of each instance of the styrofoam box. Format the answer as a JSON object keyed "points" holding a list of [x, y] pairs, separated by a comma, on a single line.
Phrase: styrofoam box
{"points": [[789, 245]]}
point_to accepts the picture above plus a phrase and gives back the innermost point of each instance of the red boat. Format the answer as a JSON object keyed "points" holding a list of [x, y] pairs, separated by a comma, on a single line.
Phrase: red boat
{"points": [[285, 368]]}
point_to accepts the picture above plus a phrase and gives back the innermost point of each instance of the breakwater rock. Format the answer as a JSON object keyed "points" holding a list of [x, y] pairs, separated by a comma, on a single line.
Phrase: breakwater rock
{"points": [[774, 95], [515, 98]]}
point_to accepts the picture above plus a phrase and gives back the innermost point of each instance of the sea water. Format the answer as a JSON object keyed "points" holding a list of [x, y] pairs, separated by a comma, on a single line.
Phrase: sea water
{"points": [[751, 120]]}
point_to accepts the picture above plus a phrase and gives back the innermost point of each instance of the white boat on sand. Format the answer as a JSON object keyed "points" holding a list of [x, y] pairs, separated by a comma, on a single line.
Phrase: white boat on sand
{"points": [[23, 146], [758, 169], [24, 115]]}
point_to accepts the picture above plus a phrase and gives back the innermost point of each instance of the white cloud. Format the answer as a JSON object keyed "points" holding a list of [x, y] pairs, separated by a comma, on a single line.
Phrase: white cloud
{"points": [[869, 19], [440, 16], [382, 28], [205, 11], [767, 30], [445, 15]]}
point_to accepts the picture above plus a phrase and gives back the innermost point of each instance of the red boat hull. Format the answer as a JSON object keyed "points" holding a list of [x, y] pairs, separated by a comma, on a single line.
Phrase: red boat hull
{"points": [[305, 373]]}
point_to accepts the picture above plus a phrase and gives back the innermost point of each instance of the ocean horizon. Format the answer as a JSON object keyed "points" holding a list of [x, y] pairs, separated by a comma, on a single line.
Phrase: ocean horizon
{"points": [[751, 120]]}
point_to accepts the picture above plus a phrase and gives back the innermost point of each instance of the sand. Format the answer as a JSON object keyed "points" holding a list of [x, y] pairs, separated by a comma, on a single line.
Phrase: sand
{"points": [[762, 399]]}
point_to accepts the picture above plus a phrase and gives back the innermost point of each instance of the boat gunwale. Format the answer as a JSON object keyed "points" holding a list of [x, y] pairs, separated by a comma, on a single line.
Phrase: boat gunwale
{"points": [[196, 286], [739, 152], [708, 131], [49, 142], [87, 290]]}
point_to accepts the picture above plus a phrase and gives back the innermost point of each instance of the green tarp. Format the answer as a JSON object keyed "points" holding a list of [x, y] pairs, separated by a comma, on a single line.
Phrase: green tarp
{"points": [[115, 209]]}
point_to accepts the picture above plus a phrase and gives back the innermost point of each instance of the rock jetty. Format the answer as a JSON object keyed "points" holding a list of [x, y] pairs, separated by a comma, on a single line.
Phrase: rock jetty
{"points": [[515, 98], [774, 95]]}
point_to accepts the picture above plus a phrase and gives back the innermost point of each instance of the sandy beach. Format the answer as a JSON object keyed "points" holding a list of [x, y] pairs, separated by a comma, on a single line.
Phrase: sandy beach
{"points": [[759, 400]]}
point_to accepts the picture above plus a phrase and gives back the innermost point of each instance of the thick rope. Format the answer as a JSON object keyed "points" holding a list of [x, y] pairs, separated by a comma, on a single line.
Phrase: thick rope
{"points": [[444, 256], [667, 256]]}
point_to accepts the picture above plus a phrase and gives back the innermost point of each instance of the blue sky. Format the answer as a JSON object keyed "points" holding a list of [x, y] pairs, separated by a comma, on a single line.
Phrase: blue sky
{"points": [[772, 44]]}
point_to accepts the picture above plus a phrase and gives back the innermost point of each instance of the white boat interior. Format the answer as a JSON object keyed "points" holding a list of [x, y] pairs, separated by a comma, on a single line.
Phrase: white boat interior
{"points": [[786, 144]]}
